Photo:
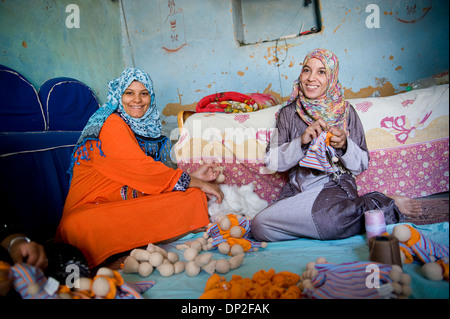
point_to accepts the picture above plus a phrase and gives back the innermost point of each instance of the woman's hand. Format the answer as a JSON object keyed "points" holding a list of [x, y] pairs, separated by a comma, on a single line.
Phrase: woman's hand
{"points": [[207, 172], [339, 138], [208, 188], [313, 131], [31, 253]]}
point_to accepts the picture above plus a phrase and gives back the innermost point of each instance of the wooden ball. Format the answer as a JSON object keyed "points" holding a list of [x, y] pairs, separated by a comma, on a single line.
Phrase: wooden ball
{"points": [[33, 289], [130, 265], [179, 266], [100, 287], [406, 290], [103, 271], [224, 223], [166, 270], [224, 248], [223, 266], [432, 271], [236, 232], [172, 257], [196, 245], [310, 265], [192, 269], [395, 275], [402, 232], [190, 254], [236, 249], [236, 261], [405, 279], [220, 178], [82, 283], [156, 259], [145, 269]]}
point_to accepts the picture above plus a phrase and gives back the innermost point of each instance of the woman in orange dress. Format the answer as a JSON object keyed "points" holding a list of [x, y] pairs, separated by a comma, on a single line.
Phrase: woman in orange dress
{"points": [[121, 195]]}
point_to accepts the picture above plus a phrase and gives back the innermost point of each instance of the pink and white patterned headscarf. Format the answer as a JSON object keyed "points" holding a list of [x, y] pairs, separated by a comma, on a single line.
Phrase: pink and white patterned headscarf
{"points": [[331, 106]]}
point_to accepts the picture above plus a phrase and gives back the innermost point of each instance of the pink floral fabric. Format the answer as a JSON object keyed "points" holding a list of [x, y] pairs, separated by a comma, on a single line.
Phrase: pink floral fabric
{"points": [[399, 125], [413, 170], [407, 137]]}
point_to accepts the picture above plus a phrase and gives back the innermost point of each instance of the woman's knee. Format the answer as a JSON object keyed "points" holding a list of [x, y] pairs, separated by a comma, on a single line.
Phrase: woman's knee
{"points": [[258, 228]]}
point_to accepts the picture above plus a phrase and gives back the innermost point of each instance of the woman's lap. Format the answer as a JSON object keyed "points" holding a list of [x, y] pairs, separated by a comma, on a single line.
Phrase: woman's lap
{"points": [[101, 230]]}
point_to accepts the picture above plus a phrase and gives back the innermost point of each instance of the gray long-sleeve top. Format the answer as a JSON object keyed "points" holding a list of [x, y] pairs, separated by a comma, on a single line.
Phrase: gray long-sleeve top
{"points": [[285, 151]]}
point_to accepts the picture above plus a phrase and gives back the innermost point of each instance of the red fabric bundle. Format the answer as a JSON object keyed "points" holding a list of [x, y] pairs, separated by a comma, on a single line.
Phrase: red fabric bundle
{"points": [[210, 103]]}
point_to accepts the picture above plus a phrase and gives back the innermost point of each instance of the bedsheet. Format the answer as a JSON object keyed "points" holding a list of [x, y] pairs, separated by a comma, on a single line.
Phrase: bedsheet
{"points": [[407, 136], [293, 256]]}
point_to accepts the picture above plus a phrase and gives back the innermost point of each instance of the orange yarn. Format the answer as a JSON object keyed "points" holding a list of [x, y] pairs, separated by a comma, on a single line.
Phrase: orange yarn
{"points": [[409, 258], [415, 237], [241, 241], [263, 285], [327, 138]]}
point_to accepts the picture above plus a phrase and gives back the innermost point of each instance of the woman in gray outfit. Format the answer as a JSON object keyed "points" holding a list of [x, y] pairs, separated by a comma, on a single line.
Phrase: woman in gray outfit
{"points": [[314, 203]]}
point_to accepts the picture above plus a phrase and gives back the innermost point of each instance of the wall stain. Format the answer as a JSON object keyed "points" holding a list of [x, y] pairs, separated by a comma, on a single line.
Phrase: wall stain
{"points": [[175, 108], [386, 89], [276, 95]]}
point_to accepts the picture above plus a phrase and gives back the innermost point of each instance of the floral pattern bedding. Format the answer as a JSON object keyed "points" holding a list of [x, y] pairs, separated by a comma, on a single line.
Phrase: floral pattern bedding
{"points": [[407, 135], [408, 138]]}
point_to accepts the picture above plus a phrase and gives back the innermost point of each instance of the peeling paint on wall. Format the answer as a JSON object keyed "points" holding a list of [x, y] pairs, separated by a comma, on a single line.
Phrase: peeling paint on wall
{"points": [[175, 108], [396, 52], [385, 89]]}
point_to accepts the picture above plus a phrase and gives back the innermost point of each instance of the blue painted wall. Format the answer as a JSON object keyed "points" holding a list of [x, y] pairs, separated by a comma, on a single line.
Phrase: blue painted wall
{"points": [[36, 41], [189, 46], [410, 43]]}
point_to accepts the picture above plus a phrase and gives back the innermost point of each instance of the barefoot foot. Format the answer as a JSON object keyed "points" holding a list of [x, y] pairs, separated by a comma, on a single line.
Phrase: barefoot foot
{"points": [[407, 206]]}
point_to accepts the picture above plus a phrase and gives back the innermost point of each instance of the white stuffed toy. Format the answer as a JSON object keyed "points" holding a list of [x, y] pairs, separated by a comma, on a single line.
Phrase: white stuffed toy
{"points": [[239, 200]]}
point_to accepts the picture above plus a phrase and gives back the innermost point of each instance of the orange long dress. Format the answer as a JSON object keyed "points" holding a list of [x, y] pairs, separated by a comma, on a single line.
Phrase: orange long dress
{"points": [[102, 215]]}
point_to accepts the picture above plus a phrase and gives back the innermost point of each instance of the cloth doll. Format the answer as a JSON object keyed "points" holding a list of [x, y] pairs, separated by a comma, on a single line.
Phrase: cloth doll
{"points": [[320, 154], [417, 248], [223, 231]]}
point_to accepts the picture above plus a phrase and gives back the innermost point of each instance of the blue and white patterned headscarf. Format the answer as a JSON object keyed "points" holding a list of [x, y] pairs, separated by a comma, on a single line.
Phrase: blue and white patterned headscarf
{"points": [[148, 125], [146, 128]]}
